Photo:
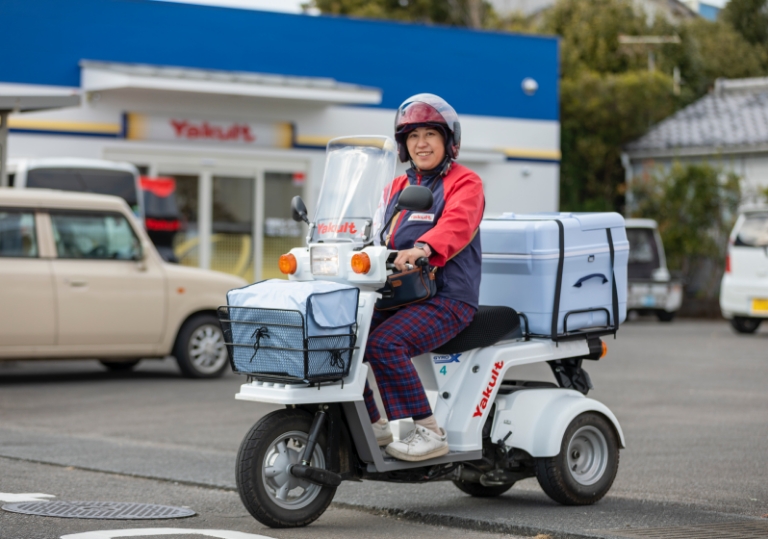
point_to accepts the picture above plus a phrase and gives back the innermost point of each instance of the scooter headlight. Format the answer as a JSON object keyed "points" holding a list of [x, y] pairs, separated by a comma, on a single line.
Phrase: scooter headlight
{"points": [[324, 260]]}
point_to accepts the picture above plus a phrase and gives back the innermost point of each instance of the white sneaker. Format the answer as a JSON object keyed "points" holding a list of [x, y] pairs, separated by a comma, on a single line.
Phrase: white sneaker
{"points": [[383, 433], [420, 444]]}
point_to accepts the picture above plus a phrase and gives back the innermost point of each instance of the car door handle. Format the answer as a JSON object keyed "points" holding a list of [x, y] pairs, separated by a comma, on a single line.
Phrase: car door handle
{"points": [[76, 282]]}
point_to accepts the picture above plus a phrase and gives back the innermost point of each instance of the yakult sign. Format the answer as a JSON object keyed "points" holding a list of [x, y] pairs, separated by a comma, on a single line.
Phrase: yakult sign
{"points": [[231, 132]]}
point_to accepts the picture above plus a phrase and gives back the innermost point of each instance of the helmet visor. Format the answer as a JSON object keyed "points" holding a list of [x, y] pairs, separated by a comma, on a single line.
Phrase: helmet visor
{"points": [[424, 109]]}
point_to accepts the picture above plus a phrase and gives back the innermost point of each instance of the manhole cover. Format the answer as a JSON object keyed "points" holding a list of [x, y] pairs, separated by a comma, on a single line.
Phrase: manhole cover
{"points": [[750, 529], [100, 510]]}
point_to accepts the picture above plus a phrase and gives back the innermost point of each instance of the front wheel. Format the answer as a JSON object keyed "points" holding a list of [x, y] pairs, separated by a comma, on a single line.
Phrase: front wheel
{"points": [[267, 489], [743, 324], [665, 316], [584, 470], [200, 350]]}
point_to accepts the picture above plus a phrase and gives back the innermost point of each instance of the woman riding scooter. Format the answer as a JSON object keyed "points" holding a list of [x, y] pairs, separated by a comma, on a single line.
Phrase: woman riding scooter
{"points": [[428, 134]]}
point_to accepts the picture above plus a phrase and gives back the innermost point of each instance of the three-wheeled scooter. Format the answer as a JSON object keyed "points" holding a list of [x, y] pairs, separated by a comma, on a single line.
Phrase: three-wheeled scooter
{"points": [[307, 355]]}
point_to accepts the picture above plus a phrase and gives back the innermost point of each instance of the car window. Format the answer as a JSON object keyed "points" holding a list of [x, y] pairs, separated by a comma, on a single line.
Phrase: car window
{"points": [[104, 236], [17, 234], [753, 231], [642, 246], [90, 180]]}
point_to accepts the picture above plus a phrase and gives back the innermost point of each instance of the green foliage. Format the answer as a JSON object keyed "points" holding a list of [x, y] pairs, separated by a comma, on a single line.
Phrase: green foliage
{"points": [[471, 13], [695, 206], [600, 113], [749, 18]]}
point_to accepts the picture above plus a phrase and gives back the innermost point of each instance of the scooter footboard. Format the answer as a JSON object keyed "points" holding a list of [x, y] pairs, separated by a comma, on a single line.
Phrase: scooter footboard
{"points": [[535, 420]]}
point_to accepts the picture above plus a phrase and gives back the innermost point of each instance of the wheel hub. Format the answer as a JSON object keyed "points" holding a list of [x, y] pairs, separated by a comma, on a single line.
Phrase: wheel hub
{"points": [[587, 455], [206, 348], [283, 488]]}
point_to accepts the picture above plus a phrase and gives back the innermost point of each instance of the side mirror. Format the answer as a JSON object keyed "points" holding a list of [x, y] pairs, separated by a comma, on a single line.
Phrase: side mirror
{"points": [[415, 198], [299, 210]]}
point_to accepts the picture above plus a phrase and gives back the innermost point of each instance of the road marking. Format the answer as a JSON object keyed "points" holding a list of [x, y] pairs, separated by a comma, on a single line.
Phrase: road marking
{"points": [[27, 497], [143, 532]]}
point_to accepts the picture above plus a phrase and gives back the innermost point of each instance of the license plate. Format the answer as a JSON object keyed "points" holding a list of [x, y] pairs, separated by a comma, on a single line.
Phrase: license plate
{"points": [[649, 301], [760, 305]]}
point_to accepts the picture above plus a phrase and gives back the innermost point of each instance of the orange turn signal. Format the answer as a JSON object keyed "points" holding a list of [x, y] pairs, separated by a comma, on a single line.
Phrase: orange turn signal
{"points": [[361, 263], [288, 264], [605, 350]]}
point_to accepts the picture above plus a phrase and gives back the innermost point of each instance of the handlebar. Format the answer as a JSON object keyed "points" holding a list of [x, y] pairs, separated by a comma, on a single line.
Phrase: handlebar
{"points": [[421, 262]]}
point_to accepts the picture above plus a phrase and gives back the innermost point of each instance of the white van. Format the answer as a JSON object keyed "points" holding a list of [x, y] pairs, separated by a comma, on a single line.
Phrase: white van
{"points": [[744, 288], [651, 287], [82, 175]]}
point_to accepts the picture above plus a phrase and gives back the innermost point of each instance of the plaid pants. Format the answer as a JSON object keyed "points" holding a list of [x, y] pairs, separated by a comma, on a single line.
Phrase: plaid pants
{"points": [[397, 336]]}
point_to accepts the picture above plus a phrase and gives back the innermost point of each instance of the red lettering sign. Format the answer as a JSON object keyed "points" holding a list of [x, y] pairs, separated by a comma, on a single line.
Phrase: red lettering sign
{"points": [[489, 389], [190, 131], [343, 228]]}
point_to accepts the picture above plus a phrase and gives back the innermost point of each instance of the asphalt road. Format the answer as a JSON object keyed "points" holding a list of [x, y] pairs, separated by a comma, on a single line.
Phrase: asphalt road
{"points": [[690, 397]]}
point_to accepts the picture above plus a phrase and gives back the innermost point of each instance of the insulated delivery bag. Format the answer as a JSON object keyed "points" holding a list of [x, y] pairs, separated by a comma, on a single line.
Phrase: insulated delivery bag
{"points": [[290, 331], [567, 272]]}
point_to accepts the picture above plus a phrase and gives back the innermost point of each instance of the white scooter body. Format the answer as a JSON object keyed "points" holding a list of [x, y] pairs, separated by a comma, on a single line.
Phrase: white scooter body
{"points": [[461, 388]]}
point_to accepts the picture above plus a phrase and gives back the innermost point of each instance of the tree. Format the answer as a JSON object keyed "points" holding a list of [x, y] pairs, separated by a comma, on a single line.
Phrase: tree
{"points": [[749, 18], [470, 13], [600, 113], [695, 207]]}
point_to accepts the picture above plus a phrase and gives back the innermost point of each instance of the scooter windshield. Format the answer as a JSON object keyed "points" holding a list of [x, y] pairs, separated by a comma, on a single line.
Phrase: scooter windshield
{"points": [[351, 204]]}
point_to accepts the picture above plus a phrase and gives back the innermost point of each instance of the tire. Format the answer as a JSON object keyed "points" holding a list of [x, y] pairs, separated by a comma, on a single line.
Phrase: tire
{"points": [[665, 316], [200, 350], [260, 452], [480, 491], [119, 366], [584, 470], [743, 324]]}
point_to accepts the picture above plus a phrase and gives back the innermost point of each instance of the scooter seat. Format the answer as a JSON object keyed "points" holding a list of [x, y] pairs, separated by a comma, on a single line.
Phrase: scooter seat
{"points": [[489, 326]]}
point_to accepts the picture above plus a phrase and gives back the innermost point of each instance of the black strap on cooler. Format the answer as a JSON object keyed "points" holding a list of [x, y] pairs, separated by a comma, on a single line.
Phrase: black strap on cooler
{"points": [[614, 291], [559, 279]]}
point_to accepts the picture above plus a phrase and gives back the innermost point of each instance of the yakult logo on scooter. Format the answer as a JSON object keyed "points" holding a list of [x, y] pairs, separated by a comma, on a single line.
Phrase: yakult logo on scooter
{"points": [[489, 389], [450, 358], [343, 228]]}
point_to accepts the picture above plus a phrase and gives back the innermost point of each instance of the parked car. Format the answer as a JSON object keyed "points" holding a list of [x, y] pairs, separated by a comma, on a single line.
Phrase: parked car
{"points": [[161, 213], [79, 278], [81, 175], [744, 288], [651, 289]]}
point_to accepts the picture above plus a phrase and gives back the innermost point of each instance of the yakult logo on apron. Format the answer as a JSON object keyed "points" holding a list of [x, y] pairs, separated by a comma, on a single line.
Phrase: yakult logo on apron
{"points": [[428, 217]]}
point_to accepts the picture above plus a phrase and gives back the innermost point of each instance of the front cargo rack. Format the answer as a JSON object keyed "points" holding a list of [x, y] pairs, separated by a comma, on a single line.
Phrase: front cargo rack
{"points": [[272, 345]]}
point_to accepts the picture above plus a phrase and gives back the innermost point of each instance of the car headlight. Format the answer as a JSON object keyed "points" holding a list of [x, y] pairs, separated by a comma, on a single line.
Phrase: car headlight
{"points": [[324, 260]]}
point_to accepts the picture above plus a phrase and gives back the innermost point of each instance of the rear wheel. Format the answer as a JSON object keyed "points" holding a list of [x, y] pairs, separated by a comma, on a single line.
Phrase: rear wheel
{"points": [[743, 324], [267, 489], [200, 350], [584, 470], [480, 491]]}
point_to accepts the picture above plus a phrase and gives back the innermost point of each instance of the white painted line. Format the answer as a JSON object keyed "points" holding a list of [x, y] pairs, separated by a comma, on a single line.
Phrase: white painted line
{"points": [[143, 532], [28, 497]]}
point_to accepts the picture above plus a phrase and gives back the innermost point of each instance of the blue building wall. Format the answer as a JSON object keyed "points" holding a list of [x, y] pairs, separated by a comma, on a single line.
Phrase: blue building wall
{"points": [[477, 72]]}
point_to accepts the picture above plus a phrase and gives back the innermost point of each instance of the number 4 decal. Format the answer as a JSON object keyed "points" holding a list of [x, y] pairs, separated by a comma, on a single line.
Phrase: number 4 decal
{"points": [[444, 370]]}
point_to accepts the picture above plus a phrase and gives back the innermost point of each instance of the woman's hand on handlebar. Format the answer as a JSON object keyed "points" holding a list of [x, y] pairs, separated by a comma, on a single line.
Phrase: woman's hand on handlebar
{"points": [[409, 256]]}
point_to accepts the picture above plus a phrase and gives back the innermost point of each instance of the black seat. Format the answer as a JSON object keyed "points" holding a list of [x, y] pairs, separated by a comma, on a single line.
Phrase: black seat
{"points": [[488, 327]]}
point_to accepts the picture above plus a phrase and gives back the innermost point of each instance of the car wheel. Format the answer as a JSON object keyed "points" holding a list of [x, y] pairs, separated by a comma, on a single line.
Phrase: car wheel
{"points": [[743, 324], [665, 316], [584, 470], [200, 350], [119, 366]]}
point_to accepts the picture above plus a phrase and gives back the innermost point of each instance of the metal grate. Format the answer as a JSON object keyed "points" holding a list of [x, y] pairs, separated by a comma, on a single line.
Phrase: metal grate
{"points": [[749, 529], [99, 510]]}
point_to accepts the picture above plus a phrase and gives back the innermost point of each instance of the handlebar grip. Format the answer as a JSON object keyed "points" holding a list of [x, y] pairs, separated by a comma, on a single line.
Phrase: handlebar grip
{"points": [[422, 262]]}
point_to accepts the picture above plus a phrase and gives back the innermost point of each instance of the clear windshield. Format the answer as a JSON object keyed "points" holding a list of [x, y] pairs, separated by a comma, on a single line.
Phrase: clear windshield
{"points": [[357, 171]]}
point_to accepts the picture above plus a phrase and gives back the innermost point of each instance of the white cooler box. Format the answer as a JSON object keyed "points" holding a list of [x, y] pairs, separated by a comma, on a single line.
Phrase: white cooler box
{"points": [[529, 260]]}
